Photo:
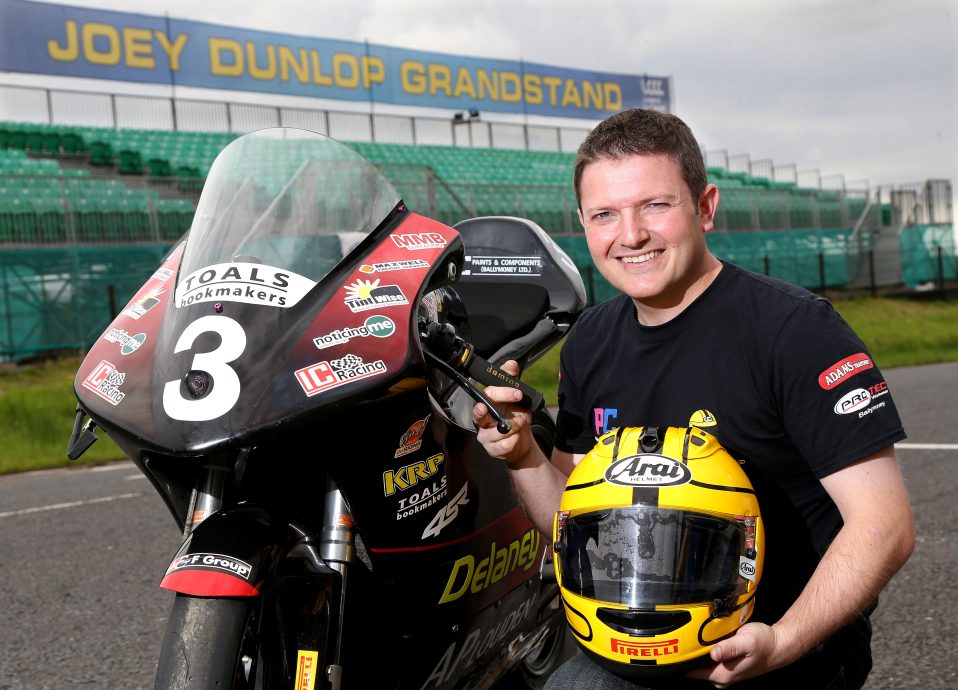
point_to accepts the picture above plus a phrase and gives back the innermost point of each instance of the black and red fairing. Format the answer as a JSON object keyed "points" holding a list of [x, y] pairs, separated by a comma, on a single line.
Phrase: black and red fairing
{"points": [[296, 290]]}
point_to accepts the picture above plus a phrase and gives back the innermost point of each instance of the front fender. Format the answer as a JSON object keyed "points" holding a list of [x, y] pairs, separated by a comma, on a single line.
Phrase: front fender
{"points": [[233, 553]]}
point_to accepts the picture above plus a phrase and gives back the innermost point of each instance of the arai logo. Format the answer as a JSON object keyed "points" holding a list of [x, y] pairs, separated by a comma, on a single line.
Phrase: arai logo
{"points": [[648, 469], [746, 568], [853, 400]]}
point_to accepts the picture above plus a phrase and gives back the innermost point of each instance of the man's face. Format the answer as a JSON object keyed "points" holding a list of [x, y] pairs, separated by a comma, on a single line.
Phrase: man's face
{"points": [[645, 231]]}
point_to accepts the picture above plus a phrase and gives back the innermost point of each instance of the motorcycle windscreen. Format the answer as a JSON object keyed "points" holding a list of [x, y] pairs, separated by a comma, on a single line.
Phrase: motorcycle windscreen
{"points": [[280, 209], [646, 556]]}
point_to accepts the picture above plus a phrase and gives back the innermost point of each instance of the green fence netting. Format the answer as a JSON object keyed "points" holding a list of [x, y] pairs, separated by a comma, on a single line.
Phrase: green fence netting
{"points": [[814, 259], [54, 298], [927, 254], [63, 297]]}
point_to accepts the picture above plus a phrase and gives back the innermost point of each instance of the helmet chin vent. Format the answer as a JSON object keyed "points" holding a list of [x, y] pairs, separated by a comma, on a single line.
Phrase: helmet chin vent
{"points": [[643, 623]]}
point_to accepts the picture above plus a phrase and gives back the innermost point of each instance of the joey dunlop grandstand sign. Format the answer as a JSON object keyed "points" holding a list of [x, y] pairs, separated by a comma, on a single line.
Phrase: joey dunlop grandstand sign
{"points": [[60, 40]]}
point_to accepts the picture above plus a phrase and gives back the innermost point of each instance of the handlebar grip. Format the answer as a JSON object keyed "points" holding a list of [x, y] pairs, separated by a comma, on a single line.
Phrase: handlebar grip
{"points": [[489, 375]]}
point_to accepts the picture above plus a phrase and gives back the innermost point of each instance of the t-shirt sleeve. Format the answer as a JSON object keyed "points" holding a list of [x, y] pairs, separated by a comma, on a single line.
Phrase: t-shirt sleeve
{"points": [[572, 430], [835, 403]]}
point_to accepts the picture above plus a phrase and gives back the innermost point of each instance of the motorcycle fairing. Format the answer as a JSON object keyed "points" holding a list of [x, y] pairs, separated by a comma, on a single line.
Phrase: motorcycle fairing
{"points": [[339, 356], [279, 366], [483, 644], [113, 371]]}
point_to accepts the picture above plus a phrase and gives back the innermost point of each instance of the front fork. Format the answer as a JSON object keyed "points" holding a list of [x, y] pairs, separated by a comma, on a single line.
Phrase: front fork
{"points": [[337, 548], [334, 550]]}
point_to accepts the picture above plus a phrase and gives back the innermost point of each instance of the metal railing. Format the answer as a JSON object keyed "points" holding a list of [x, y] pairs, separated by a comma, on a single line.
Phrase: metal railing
{"points": [[119, 111]]}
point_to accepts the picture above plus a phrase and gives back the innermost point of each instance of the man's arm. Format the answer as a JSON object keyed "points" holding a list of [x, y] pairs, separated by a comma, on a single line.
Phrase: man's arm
{"points": [[876, 539], [538, 482]]}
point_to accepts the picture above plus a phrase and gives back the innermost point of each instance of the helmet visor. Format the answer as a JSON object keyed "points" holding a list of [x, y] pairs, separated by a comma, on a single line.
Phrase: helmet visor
{"points": [[643, 556]]}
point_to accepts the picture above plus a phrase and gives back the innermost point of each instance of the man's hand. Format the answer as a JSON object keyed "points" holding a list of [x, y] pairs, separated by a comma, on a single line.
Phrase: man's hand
{"points": [[537, 482], [750, 652], [877, 537], [513, 447]]}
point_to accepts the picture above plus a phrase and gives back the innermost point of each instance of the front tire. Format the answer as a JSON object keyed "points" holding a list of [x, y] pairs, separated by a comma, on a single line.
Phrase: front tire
{"points": [[209, 643]]}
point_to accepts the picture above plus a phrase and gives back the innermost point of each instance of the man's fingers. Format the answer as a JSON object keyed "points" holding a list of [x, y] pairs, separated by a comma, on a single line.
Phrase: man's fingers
{"points": [[479, 412], [728, 650], [498, 395], [511, 367]]}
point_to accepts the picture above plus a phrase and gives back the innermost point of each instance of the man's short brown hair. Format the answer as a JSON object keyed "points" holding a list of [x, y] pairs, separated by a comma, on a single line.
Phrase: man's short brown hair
{"points": [[644, 132]]}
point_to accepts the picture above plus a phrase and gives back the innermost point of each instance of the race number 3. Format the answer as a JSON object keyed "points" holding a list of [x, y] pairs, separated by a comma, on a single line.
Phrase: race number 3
{"points": [[226, 384]]}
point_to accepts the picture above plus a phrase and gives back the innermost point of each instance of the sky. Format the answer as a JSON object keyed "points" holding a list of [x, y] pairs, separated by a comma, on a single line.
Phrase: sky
{"points": [[862, 88]]}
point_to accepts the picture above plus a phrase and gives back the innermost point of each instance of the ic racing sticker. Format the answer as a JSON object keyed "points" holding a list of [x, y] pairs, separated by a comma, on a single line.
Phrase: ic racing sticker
{"points": [[323, 376], [105, 381]]}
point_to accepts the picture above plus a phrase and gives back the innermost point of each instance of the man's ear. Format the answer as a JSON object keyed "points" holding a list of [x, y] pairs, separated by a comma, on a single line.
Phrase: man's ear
{"points": [[708, 205], [581, 221]]}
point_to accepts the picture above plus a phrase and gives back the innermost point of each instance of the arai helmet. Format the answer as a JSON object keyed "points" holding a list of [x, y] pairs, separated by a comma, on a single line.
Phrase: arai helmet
{"points": [[659, 545]]}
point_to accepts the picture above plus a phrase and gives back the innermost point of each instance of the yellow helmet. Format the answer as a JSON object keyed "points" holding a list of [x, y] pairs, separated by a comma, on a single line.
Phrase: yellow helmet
{"points": [[659, 545]]}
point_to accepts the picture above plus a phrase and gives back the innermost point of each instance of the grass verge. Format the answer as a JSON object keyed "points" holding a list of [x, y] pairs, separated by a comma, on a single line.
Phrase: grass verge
{"points": [[37, 407], [37, 402]]}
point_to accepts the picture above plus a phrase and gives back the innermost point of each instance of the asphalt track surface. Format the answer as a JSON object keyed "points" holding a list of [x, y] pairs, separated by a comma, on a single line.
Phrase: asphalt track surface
{"points": [[82, 551]]}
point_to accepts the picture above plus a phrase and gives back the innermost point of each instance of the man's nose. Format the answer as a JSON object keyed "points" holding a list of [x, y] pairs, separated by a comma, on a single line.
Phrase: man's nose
{"points": [[632, 230]]}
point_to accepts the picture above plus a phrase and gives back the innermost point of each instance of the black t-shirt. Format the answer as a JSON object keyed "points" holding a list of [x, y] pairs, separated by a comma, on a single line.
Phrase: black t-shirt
{"points": [[777, 376]]}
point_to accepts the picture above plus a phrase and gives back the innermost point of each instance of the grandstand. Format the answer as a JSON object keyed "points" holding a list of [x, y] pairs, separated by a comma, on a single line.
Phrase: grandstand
{"points": [[110, 131], [87, 211], [134, 185]]}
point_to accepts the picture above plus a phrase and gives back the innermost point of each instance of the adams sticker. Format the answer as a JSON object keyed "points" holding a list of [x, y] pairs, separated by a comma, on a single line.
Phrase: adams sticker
{"points": [[844, 369]]}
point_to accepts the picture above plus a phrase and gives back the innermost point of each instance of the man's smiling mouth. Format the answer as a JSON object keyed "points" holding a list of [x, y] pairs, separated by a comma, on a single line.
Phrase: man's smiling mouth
{"points": [[641, 259]]}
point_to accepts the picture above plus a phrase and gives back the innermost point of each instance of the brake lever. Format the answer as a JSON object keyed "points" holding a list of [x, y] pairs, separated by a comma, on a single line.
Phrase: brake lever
{"points": [[502, 425], [489, 375], [454, 349]]}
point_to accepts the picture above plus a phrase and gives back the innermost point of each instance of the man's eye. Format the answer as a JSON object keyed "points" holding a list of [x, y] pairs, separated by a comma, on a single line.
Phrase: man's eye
{"points": [[601, 215]]}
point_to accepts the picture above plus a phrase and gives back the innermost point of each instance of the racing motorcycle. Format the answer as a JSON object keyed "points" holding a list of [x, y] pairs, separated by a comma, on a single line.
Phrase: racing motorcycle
{"points": [[296, 380]]}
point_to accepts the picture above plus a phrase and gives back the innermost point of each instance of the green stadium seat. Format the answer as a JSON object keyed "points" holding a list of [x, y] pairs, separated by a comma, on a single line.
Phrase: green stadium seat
{"points": [[17, 139], [52, 142], [101, 153], [131, 162], [159, 167], [34, 140], [72, 143]]}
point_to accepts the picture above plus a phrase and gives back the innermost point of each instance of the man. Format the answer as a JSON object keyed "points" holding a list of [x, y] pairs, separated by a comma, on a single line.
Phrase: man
{"points": [[772, 370]]}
